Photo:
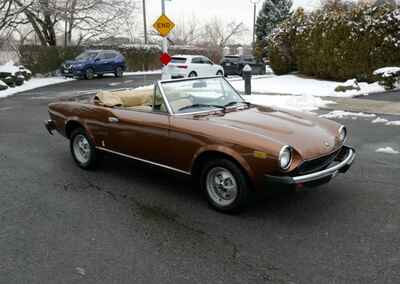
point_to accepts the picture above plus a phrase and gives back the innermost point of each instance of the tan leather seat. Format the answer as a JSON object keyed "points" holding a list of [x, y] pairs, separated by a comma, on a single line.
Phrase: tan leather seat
{"points": [[126, 98]]}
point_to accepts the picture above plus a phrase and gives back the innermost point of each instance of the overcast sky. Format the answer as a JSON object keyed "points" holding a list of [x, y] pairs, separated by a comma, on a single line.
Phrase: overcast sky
{"points": [[227, 10]]}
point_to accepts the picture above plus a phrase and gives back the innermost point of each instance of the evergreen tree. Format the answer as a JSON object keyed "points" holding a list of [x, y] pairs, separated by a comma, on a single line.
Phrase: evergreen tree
{"points": [[273, 12]]}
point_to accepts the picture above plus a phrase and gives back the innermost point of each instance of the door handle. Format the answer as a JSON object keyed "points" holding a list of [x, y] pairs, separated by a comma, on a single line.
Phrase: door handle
{"points": [[113, 120]]}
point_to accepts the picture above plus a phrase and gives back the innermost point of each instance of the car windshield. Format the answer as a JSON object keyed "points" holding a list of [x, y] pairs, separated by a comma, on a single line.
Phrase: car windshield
{"points": [[86, 55], [201, 94]]}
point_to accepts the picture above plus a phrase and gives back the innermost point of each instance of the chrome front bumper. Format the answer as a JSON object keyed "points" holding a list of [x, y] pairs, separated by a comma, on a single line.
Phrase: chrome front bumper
{"points": [[50, 126], [341, 167]]}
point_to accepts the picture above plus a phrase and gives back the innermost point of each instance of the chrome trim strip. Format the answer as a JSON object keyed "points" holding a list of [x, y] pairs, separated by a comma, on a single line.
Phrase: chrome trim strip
{"points": [[144, 161], [327, 172]]}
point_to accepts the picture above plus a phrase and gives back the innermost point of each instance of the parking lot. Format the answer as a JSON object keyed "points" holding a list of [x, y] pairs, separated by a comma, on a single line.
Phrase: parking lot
{"points": [[131, 223]]}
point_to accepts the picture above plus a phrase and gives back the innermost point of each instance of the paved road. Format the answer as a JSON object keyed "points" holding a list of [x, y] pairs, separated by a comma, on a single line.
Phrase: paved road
{"points": [[130, 223], [392, 96]]}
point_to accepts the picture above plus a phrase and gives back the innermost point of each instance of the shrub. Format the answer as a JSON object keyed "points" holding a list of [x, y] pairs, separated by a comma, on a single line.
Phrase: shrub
{"points": [[388, 77], [338, 42], [44, 60]]}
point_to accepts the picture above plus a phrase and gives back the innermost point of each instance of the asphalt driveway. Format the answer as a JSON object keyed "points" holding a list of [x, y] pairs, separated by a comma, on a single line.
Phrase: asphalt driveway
{"points": [[131, 223]]}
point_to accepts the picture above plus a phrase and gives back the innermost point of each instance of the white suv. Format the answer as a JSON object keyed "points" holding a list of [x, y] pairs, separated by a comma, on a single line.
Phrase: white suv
{"points": [[183, 66]]}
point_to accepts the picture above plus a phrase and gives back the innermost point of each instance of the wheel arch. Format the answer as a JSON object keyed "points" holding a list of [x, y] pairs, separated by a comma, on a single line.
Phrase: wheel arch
{"points": [[221, 152], [73, 124]]}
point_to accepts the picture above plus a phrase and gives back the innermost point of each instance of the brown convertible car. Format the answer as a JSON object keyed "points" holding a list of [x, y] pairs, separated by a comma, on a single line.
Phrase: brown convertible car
{"points": [[203, 127]]}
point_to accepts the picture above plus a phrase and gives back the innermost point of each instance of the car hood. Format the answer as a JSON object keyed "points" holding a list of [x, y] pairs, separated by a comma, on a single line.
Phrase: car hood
{"points": [[310, 135]]}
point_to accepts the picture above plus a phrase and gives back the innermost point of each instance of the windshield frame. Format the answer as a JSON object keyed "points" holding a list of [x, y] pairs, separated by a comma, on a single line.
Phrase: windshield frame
{"points": [[212, 109]]}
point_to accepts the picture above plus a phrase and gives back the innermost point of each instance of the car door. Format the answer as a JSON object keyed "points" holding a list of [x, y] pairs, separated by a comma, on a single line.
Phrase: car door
{"points": [[140, 134], [109, 62], [197, 66], [98, 63]]}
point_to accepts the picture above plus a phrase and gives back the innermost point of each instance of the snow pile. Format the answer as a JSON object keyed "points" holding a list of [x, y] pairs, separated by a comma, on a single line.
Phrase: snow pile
{"points": [[344, 114], [387, 71], [9, 67], [296, 85], [380, 120], [33, 84], [387, 150], [393, 123], [299, 103]]}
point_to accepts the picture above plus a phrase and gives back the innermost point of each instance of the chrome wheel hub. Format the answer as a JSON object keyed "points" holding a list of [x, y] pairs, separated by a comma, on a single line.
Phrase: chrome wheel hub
{"points": [[81, 149], [221, 186]]}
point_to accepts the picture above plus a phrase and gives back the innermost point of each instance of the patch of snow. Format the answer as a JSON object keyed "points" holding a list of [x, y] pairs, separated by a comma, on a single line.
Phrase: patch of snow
{"points": [[380, 120], [299, 103], [33, 84], [344, 114], [296, 85], [80, 271], [387, 150], [351, 83], [393, 123], [9, 67]]}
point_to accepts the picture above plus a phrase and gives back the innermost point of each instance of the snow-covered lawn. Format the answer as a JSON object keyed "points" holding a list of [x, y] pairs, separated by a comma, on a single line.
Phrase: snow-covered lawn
{"points": [[298, 85], [344, 114], [299, 103], [33, 84]]}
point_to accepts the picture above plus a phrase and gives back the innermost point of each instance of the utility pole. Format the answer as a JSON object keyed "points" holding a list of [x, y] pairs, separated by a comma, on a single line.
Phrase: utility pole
{"points": [[144, 21], [254, 2], [165, 40]]}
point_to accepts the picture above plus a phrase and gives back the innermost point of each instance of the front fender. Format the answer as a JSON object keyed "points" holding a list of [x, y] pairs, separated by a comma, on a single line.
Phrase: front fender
{"points": [[228, 152]]}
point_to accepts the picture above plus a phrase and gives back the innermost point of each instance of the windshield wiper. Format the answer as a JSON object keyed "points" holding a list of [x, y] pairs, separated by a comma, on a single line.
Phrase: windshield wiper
{"points": [[235, 103], [202, 105]]}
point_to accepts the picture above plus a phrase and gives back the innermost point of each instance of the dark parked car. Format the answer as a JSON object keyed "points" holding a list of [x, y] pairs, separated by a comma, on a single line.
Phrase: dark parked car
{"points": [[234, 64], [95, 62], [11, 75]]}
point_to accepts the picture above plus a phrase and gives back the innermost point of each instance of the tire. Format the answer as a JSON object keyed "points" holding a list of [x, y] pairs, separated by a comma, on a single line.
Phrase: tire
{"points": [[119, 72], [220, 73], [89, 74], [225, 185], [83, 149], [192, 74]]}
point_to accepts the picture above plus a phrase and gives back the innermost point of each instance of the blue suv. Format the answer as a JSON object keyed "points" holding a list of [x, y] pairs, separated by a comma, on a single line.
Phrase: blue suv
{"points": [[95, 62]]}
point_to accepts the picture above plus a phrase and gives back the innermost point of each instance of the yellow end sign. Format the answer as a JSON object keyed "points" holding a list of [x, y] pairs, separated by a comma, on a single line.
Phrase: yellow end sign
{"points": [[164, 25]]}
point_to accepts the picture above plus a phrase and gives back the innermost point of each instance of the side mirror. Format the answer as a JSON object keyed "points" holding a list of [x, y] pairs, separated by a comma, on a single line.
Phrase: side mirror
{"points": [[97, 60]]}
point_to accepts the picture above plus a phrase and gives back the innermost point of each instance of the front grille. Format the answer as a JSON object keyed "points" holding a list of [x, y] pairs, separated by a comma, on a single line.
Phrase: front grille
{"points": [[318, 164]]}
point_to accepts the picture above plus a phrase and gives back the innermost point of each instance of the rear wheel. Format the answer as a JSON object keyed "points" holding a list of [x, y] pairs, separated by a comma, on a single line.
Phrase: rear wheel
{"points": [[220, 73], [119, 72], [89, 74], [192, 74], [83, 149], [225, 185]]}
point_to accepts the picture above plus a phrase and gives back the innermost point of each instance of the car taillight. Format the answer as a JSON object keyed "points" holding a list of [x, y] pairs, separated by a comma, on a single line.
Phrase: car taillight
{"points": [[183, 66]]}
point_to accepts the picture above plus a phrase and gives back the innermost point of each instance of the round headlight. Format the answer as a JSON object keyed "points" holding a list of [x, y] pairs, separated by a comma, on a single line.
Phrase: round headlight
{"points": [[285, 157], [342, 134]]}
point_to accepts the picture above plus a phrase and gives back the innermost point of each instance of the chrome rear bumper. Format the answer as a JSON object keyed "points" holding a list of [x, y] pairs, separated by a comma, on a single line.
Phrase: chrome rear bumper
{"points": [[341, 167]]}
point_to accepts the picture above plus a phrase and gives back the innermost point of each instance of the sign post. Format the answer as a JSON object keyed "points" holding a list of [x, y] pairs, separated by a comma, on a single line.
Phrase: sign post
{"points": [[164, 26]]}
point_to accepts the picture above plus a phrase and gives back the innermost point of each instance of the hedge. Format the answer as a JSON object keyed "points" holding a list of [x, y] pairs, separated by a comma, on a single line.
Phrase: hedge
{"points": [[337, 43], [44, 59]]}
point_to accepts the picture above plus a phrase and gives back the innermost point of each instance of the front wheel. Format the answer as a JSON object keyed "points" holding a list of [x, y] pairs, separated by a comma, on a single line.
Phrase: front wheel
{"points": [[83, 149], [220, 73], [225, 185]]}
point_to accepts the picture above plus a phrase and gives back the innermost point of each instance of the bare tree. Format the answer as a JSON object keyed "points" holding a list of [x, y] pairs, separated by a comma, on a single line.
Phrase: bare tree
{"points": [[219, 35], [186, 33]]}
